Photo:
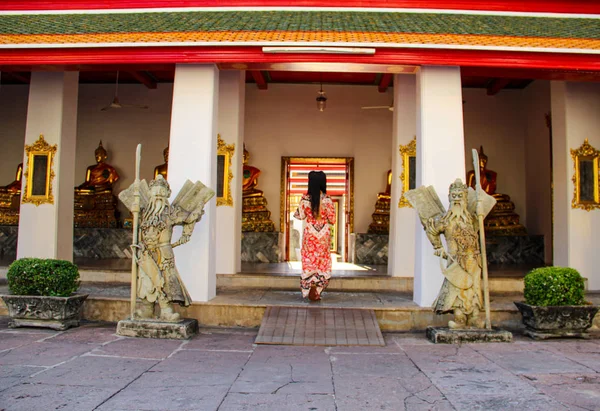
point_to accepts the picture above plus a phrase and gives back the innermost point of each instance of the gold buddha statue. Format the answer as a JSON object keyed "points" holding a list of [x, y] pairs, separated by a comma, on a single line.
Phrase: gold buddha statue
{"points": [[95, 203], [256, 216], [10, 199], [381, 216], [163, 168], [502, 220], [250, 180], [99, 178]]}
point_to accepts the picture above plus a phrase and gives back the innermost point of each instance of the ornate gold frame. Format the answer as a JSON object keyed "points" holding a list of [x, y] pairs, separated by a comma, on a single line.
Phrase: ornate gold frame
{"points": [[39, 148], [407, 151], [585, 153], [227, 151]]}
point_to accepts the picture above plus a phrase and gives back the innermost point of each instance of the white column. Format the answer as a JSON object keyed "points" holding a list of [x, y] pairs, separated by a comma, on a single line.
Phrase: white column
{"points": [[401, 254], [575, 108], [46, 231], [232, 94], [440, 160], [192, 155]]}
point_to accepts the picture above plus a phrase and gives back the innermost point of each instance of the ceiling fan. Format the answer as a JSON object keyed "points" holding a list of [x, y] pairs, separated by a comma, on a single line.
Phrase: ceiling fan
{"points": [[116, 103], [390, 108]]}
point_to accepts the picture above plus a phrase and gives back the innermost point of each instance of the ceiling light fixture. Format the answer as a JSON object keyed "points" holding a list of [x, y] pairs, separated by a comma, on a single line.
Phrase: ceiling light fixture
{"points": [[321, 99], [319, 50]]}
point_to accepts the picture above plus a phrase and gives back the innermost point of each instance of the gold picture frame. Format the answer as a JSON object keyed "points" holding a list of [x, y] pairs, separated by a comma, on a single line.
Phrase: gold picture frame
{"points": [[39, 173], [408, 153], [585, 177], [224, 174]]}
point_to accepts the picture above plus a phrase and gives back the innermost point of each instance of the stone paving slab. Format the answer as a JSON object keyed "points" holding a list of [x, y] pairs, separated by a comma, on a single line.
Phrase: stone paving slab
{"points": [[91, 368]]}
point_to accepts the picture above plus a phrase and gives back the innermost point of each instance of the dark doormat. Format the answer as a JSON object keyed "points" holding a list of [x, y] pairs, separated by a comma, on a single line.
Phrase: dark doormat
{"points": [[319, 326]]}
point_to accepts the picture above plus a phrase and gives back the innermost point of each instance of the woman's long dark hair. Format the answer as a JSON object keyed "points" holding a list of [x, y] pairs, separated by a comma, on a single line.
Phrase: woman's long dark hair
{"points": [[317, 184]]}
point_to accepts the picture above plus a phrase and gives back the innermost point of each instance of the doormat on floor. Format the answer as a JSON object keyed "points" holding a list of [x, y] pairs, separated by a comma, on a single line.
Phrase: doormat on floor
{"points": [[319, 326]]}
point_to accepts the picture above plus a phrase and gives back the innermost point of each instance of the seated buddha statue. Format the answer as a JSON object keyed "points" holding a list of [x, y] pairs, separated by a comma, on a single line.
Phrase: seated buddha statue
{"points": [[250, 180], [381, 216], [163, 168], [15, 186], [502, 220], [487, 177], [99, 178]]}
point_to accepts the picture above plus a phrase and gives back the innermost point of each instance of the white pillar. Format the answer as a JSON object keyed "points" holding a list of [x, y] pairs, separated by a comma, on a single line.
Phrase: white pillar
{"points": [[232, 94], [192, 155], [46, 231], [401, 255], [575, 108], [440, 160]]}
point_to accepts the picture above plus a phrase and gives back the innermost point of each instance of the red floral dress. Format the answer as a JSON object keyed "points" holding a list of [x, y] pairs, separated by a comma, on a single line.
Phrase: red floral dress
{"points": [[316, 243]]}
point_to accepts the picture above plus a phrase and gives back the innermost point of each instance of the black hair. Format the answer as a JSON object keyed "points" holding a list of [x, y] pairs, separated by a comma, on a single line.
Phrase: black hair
{"points": [[317, 184]]}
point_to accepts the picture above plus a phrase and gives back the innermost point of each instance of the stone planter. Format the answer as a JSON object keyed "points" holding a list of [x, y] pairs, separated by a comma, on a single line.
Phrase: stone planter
{"points": [[556, 321], [58, 313]]}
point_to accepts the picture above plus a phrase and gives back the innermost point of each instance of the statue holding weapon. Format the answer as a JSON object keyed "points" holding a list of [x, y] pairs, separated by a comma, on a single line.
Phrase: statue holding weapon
{"points": [[461, 261], [155, 278]]}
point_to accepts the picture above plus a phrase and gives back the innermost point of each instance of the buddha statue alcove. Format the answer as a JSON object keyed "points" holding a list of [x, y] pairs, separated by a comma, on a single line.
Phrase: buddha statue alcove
{"points": [[95, 203], [256, 217], [10, 196], [381, 216], [502, 220]]}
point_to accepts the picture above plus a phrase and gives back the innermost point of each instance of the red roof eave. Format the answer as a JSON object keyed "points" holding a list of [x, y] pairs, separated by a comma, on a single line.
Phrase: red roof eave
{"points": [[69, 57]]}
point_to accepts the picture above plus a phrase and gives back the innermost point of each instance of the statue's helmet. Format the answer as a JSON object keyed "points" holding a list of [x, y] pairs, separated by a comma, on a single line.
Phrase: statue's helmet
{"points": [[458, 191], [100, 153], [159, 187]]}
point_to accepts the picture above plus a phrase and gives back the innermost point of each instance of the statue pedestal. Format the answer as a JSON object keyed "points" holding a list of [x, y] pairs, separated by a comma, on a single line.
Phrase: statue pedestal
{"points": [[444, 335], [381, 217], [96, 210], [180, 330], [9, 208]]}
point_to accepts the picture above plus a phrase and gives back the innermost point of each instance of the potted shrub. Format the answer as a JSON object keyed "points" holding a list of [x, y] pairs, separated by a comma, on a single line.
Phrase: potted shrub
{"points": [[41, 294], [554, 304]]}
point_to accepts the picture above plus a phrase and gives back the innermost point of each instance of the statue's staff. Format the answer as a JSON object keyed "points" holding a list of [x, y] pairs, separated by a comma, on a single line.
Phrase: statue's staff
{"points": [[135, 210], [486, 290]]}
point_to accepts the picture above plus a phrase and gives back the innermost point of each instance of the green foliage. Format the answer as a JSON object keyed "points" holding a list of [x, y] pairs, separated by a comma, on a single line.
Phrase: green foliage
{"points": [[548, 286], [37, 276]]}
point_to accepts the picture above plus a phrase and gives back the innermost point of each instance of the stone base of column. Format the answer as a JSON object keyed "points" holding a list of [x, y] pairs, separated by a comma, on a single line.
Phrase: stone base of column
{"points": [[444, 335], [180, 330]]}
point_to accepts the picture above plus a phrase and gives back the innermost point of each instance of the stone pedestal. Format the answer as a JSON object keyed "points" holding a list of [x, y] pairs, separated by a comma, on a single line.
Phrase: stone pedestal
{"points": [[180, 330], [57, 313], [444, 335], [261, 247], [371, 249]]}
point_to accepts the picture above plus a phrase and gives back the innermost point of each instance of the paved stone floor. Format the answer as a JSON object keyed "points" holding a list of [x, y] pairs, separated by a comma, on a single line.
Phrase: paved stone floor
{"points": [[91, 368]]}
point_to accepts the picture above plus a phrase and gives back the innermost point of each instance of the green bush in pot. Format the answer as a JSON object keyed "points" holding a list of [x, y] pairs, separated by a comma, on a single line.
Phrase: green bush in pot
{"points": [[552, 286], [48, 277]]}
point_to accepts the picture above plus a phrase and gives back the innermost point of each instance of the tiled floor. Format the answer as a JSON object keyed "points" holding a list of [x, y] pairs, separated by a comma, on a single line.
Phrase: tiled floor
{"points": [[319, 326]]}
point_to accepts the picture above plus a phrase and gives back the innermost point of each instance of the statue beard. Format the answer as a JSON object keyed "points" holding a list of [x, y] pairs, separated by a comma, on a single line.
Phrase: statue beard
{"points": [[154, 210], [458, 212]]}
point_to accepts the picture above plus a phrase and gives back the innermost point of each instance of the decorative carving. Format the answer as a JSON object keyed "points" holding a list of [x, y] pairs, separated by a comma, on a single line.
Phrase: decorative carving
{"points": [[408, 153], [585, 177], [39, 174], [224, 175]]}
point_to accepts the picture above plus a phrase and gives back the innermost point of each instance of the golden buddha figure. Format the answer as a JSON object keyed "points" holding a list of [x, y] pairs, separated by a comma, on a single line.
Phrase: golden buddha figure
{"points": [[250, 180], [10, 199], [99, 178], [15, 186], [381, 216], [502, 220], [487, 177], [163, 168]]}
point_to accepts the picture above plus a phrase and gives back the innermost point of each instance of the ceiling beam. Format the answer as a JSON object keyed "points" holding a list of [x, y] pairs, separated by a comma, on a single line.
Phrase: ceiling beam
{"points": [[144, 78], [386, 79], [497, 84], [258, 77], [21, 77]]}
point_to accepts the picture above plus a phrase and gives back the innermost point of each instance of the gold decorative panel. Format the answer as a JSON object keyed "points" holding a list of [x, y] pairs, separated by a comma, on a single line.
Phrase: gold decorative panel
{"points": [[585, 177], [408, 153], [39, 173], [224, 173]]}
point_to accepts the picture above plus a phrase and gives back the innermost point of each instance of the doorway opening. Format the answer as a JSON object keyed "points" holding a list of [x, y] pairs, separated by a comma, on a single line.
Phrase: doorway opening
{"points": [[340, 187]]}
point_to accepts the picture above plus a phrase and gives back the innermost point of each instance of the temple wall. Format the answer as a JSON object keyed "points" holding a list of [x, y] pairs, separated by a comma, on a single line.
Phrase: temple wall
{"points": [[13, 117], [284, 121]]}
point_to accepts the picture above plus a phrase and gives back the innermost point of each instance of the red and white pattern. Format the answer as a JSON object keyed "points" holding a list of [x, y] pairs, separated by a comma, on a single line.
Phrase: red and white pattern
{"points": [[316, 243]]}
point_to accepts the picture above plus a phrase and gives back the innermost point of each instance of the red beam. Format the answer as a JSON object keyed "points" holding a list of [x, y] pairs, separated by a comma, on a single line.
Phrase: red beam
{"points": [[386, 79], [551, 6], [496, 85], [259, 79], [69, 57], [143, 78]]}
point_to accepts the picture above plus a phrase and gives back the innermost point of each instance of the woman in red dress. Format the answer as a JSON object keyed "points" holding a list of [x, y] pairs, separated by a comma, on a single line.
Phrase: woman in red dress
{"points": [[318, 210]]}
